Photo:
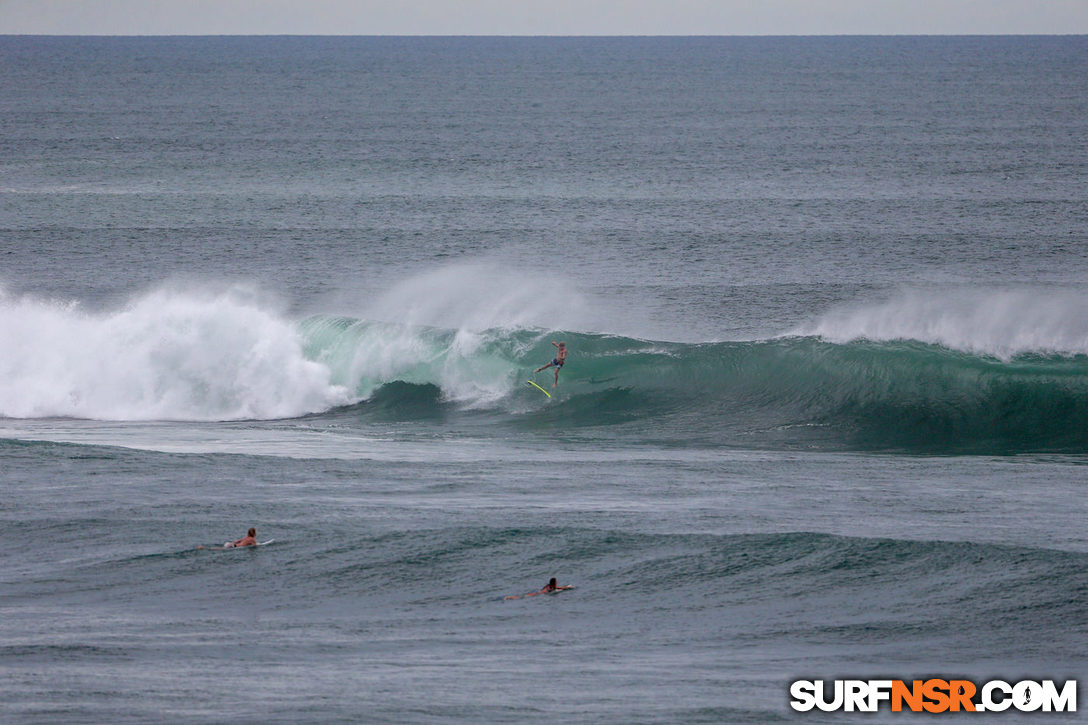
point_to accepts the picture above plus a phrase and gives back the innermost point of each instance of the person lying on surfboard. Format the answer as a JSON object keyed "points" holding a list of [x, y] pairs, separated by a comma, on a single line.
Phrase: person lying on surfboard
{"points": [[250, 539], [550, 587], [558, 361]]}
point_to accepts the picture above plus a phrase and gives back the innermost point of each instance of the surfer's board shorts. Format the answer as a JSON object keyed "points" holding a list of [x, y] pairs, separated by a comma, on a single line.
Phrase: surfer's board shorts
{"points": [[557, 362]]}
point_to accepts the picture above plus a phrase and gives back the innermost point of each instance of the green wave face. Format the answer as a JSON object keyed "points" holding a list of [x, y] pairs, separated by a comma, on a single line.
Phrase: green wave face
{"points": [[796, 392]]}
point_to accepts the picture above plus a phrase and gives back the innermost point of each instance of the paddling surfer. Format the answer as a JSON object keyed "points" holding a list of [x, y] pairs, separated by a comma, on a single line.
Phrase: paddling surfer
{"points": [[552, 586], [557, 362], [549, 588], [250, 539]]}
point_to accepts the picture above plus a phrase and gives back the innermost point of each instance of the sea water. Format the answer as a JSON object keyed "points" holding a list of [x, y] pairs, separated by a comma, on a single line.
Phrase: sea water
{"points": [[825, 413]]}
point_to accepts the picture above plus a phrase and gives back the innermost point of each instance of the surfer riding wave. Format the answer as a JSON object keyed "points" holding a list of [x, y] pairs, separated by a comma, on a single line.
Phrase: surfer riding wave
{"points": [[557, 362]]}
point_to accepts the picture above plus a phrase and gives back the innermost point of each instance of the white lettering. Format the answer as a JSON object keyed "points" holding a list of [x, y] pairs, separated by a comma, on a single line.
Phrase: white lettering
{"points": [[988, 698], [879, 690], [804, 695], [821, 699], [856, 695], [1064, 701], [1027, 696]]}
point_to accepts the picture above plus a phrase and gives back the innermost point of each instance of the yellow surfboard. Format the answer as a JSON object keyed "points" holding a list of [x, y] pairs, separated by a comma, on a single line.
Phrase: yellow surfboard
{"points": [[530, 382]]}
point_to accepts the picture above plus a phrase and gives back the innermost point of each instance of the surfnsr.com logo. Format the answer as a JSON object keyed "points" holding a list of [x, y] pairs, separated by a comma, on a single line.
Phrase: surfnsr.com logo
{"points": [[934, 695]]}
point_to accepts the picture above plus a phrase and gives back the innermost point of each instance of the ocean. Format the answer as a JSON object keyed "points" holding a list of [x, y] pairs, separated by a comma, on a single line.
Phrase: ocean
{"points": [[824, 415]]}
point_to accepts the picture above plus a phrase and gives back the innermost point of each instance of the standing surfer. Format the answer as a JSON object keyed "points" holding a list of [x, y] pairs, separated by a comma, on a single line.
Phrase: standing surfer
{"points": [[558, 361]]}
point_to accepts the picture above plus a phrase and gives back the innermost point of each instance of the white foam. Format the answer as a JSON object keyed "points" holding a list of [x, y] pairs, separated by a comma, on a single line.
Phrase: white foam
{"points": [[463, 364], [481, 296], [168, 355], [1001, 322], [442, 323]]}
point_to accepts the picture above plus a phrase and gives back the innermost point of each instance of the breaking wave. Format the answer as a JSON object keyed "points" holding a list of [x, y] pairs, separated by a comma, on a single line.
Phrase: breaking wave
{"points": [[853, 381]]}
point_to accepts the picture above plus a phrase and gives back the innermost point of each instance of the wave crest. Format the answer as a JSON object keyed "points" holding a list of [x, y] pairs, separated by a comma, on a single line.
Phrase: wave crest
{"points": [[1003, 323]]}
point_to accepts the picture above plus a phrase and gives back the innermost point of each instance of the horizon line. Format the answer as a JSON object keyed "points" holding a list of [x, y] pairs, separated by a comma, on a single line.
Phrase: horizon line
{"points": [[564, 35]]}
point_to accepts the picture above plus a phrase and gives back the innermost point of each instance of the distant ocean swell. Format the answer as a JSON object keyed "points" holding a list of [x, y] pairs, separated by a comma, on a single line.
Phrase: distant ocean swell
{"points": [[227, 357]]}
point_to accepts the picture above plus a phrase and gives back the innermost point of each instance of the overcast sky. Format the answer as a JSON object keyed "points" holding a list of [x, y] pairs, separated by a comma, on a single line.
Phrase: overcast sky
{"points": [[541, 17]]}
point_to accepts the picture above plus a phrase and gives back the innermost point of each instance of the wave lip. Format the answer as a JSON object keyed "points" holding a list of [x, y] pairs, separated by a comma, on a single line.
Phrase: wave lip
{"points": [[1003, 323]]}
